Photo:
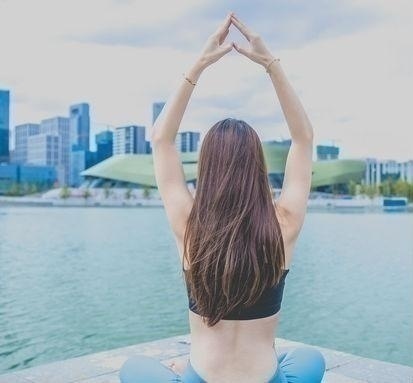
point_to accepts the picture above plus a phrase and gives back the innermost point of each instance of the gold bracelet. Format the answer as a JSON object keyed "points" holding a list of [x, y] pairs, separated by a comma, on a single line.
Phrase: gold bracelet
{"points": [[187, 79], [268, 66]]}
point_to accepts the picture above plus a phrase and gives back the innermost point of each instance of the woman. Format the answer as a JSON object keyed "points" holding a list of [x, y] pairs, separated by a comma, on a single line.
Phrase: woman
{"points": [[238, 243]]}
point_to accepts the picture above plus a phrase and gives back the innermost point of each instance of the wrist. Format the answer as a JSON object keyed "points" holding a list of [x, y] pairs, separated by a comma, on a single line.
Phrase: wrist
{"points": [[273, 65], [196, 69], [267, 60]]}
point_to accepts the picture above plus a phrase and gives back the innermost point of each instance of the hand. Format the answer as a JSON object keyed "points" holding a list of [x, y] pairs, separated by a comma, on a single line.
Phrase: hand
{"points": [[257, 50], [213, 49]]}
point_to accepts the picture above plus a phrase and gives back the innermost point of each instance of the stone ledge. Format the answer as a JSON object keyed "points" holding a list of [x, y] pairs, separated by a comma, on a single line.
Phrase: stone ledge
{"points": [[103, 367]]}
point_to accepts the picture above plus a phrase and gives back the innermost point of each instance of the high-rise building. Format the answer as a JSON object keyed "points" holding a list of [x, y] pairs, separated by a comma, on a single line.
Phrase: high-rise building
{"points": [[60, 127], [378, 171], [187, 141], [327, 152], [80, 125], [80, 160], [43, 149], [104, 145], [21, 134], [43, 176], [156, 110], [148, 147], [129, 140], [4, 125]]}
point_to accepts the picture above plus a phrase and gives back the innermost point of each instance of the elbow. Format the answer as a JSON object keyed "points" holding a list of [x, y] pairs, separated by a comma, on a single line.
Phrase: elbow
{"points": [[156, 138], [308, 136]]}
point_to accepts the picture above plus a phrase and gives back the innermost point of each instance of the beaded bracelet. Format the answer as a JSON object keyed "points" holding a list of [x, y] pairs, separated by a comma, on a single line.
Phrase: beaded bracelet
{"points": [[187, 79], [268, 66]]}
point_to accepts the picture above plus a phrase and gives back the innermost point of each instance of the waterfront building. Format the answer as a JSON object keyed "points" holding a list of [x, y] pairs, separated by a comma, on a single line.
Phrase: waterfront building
{"points": [[148, 147], [80, 125], [10, 174], [378, 171], [80, 160], [406, 171], [21, 134], [4, 125], [129, 140], [58, 127], [137, 169], [187, 141], [327, 152], [43, 149], [104, 145], [156, 110]]}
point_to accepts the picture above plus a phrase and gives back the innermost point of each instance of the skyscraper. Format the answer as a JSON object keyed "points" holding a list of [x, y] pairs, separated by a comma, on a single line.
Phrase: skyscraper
{"points": [[129, 139], [187, 141], [4, 125], [156, 110], [327, 152], [21, 134], [43, 149], [104, 145], [60, 127], [80, 125]]}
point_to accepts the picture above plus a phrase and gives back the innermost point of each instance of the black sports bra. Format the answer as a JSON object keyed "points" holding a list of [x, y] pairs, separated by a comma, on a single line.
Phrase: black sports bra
{"points": [[268, 304]]}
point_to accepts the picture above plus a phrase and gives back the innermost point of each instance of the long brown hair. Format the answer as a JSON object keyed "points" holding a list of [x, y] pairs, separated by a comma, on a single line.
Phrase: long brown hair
{"points": [[232, 242]]}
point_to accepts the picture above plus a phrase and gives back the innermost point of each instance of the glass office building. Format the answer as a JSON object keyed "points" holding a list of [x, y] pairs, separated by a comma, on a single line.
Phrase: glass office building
{"points": [[4, 125]]}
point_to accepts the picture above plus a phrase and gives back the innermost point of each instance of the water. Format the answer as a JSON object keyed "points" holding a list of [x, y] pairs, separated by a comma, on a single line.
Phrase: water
{"points": [[75, 281]]}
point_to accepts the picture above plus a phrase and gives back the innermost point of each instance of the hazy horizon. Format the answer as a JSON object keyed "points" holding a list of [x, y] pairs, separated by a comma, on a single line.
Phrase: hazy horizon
{"points": [[349, 62]]}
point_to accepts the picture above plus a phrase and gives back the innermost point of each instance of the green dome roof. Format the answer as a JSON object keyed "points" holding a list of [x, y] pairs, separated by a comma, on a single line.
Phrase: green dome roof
{"points": [[138, 168]]}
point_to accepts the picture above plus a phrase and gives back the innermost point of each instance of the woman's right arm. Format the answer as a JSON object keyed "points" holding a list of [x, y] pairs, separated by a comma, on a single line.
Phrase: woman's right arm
{"points": [[298, 169]]}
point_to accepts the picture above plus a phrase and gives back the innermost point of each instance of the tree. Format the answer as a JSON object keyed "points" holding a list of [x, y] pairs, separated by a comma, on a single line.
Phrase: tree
{"points": [[401, 188], [371, 191], [128, 193], [386, 188], [106, 190], [86, 194], [146, 192], [14, 189], [351, 187], [64, 192], [33, 188]]}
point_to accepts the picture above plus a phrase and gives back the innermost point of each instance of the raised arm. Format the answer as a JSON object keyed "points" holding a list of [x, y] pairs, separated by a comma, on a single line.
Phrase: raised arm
{"points": [[298, 170], [168, 168]]}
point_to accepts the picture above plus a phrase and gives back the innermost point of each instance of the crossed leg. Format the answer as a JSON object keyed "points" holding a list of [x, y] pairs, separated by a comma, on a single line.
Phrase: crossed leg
{"points": [[300, 365]]}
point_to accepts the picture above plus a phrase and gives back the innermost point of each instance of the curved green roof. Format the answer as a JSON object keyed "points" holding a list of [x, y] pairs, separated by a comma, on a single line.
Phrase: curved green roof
{"points": [[138, 168]]}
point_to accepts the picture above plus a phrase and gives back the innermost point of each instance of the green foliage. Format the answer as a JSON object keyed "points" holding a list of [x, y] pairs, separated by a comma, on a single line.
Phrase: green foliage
{"points": [[15, 189], [86, 194], [387, 188], [33, 188], [351, 186], [106, 190], [146, 192], [128, 193], [65, 192]]}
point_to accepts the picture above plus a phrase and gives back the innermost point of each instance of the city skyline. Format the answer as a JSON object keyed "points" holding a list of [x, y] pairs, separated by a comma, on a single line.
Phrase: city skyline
{"points": [[357, 61]]}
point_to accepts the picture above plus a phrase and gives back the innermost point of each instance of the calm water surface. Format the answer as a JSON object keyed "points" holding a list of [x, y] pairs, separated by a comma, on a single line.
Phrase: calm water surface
{"points": [[76, 281]]}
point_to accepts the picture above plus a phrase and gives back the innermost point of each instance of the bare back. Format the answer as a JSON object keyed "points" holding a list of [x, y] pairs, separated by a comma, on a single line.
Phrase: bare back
{"points": [[237, 350]]}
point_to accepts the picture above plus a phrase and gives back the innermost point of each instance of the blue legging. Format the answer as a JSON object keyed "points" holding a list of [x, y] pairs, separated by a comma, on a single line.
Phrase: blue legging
{"points": [[300, 365]]}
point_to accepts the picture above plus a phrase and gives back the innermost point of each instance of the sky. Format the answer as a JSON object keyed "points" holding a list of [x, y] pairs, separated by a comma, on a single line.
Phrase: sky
{"points": [[349, 61]]}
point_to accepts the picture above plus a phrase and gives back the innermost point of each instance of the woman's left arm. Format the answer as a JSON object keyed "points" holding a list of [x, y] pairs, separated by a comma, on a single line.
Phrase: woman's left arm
{"points": [[168, 168]]}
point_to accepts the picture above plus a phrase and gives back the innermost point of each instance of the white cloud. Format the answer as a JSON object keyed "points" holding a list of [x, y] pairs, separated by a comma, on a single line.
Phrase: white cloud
{"points": [[354, 87]]}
